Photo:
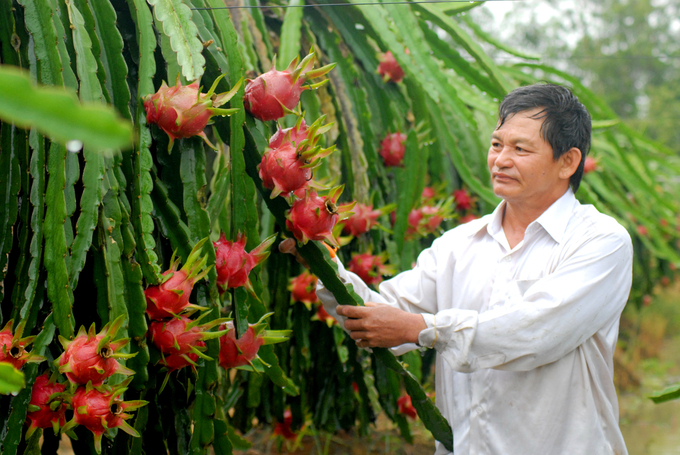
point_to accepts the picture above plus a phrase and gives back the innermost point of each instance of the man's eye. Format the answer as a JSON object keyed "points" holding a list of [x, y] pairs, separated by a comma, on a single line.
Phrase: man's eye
{"points": [[520, 149]]}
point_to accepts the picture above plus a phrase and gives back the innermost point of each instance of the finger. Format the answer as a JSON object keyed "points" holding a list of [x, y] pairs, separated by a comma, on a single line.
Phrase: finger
{"points": [[287, 246], [372, 304], [354, 324], [350, 311], [358, 335]]}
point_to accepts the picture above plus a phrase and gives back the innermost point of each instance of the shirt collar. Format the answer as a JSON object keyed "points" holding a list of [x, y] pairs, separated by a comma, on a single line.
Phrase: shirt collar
{"points": [[554, 220]]}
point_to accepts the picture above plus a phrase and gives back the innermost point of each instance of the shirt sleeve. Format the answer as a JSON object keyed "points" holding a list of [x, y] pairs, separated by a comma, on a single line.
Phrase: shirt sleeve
{"points": [[552, 317]]}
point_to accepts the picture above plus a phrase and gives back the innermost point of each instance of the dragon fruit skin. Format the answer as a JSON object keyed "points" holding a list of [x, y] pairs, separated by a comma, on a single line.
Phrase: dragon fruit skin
{"points": [[183, 111], [283, 428], [462, 199], [91, 357], [363, 219], [274, 94], [233, 264], [406, 407], [303, 288], [389, 69], [370, 268], [313, 217], [171, 296], [178, 361], [294, 134], [236, 352], [13, 346], [47, 396], [100, 408], [282, 171], [392, 149]]}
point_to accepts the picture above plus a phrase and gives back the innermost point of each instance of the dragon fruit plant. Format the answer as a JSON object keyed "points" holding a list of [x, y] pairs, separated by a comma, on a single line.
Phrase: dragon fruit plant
{"points": [[13, 346], [313, 217], [389, 69], [181, 336], [91, 357], [100, 408], [274, 94], [393, 148], [233, 264], [239, 352], [48, 404], [293, 153], [370, 268], [303, 289], [171, 296], [183, 111]]}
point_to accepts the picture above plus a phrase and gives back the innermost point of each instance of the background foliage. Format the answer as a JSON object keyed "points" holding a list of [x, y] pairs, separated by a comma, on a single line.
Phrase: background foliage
{"points": [[84, 233]]}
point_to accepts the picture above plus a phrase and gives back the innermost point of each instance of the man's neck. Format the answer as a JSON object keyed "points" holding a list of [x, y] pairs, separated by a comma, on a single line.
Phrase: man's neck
{"points": [[517, 217]]}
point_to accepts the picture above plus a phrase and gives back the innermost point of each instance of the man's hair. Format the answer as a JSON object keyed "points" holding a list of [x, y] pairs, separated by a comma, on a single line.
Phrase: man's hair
{"points": [[566, 121]]}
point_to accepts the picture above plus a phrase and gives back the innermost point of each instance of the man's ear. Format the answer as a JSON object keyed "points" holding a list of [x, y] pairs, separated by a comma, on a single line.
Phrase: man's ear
{"points": [[570, 162]]}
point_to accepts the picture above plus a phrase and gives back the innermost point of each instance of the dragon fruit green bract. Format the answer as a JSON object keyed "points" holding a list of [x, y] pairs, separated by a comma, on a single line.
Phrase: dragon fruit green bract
{"points": [[13, 346], [274, 94], [183, 111], [100, 408], [233, 264], [313, 217], [48, 397], [171, 296], [91, 357], [294, 134], [182, 335], [392, 149]]}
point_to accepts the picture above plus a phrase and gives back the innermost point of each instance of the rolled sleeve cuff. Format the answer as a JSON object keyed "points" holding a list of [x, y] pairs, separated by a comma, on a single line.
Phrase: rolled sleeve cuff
{"points": [[451, 332]]}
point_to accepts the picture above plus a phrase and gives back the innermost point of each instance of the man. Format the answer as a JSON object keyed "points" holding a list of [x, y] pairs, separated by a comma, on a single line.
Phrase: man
{"points": [[521, 305]]}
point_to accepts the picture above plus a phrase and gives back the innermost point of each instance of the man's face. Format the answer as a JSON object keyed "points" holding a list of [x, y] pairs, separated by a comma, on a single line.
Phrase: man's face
{"points": [[521, 162]]}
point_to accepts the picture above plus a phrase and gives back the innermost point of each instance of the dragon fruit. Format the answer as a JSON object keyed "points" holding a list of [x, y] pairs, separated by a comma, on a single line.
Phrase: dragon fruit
{"points": [[181, 335], [392, 149], [13, 346], [178, 361], [171, 296], [287, 167], [233, 264], [313, 217], [183, 111], [589, 165], [92, 356], [389, 69], [467, 218], [414, 218], [323, 316], [370, 268], [100, 408], [428, 194], [237, 352], [283, 428], [405, 407], [47, 407], [274, 94], [462, 199], [303, 288], [433, 217], [363, 219]]}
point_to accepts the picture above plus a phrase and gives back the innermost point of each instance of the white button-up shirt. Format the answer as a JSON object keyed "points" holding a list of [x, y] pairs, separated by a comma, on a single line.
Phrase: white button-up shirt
{"points": [[525, 336]]}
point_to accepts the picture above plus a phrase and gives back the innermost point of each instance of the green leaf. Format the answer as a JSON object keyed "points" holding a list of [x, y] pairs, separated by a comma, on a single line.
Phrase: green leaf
{"points": [[57, 113], [11, 379], [670, 393], [290, 34], [180, 28]]}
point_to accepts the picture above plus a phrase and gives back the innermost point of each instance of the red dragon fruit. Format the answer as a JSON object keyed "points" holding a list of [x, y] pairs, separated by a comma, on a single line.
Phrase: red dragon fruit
{"points": [[303, 288], [313, 217], [274, 94], [363, 219], [47, 407], [462, 199], [171, 296], [389, 69], [589, 165], [13, 347], [467, 218], [428, 194], [92, 356], [414, 218], [283, 428], [433, 217], [392, 149], [178, 361], [406, 407], [181, 335], [287, 168], [100, 408], [237, 352], [370, 268], [233, 264], [323, 316], [183, 111]]}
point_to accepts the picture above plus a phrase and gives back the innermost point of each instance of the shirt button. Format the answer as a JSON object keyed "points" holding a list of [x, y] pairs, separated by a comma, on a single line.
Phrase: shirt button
{"points": [[507, 259], [478, 409]]}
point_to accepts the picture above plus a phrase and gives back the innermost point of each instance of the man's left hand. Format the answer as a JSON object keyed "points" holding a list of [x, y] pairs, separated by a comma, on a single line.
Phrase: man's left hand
{"points": [[377, 325]]}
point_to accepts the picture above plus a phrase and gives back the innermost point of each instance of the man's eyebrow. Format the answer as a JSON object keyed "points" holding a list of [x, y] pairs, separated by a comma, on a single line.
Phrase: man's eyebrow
{"points": [[519, 140]]}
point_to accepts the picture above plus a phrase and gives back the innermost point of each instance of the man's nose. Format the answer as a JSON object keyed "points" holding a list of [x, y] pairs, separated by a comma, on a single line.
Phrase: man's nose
{"points": [[503, 158]]}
